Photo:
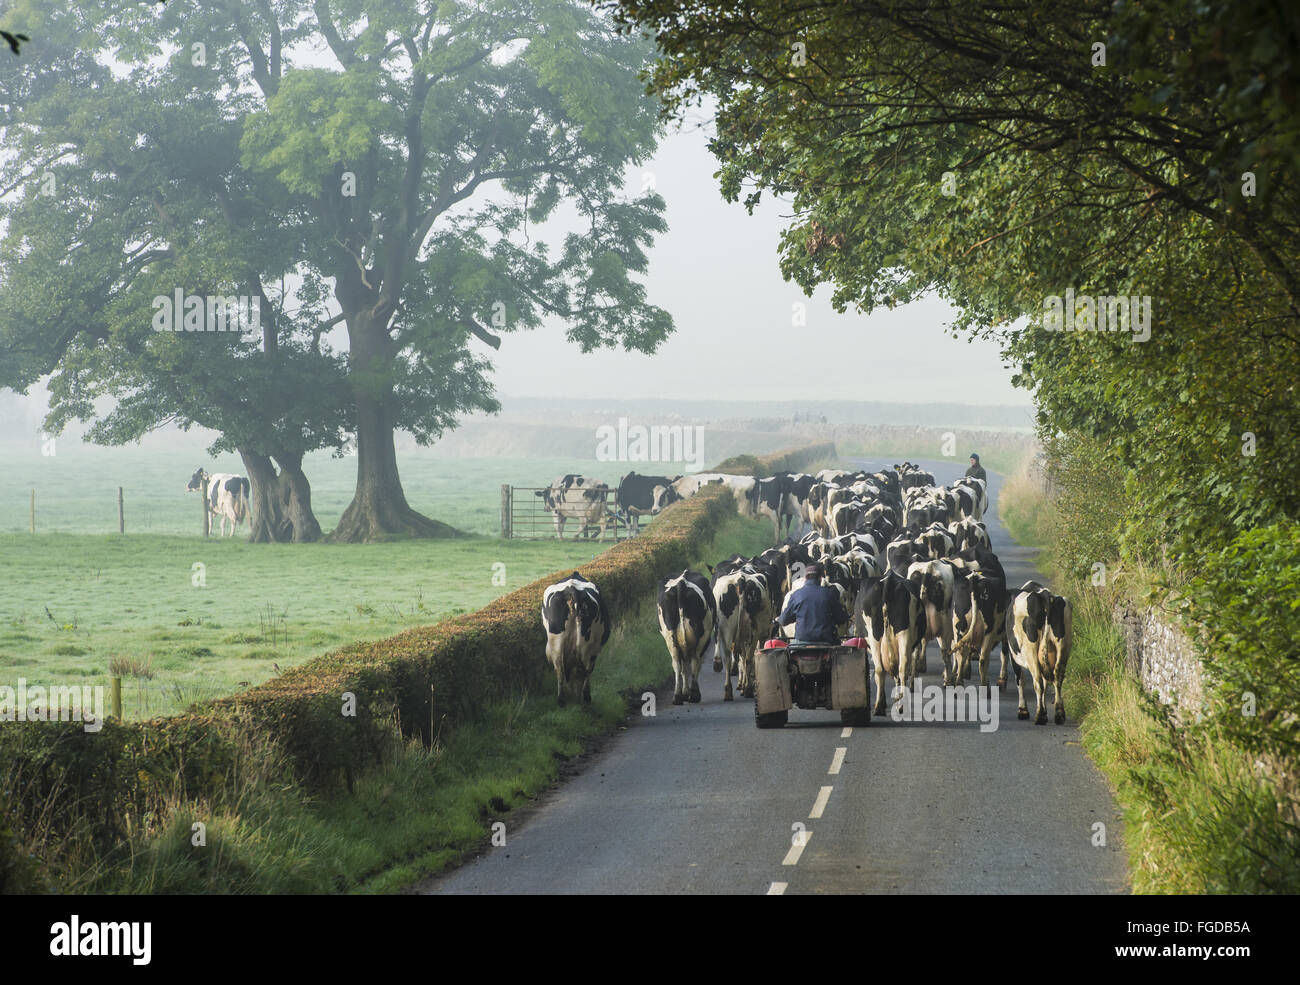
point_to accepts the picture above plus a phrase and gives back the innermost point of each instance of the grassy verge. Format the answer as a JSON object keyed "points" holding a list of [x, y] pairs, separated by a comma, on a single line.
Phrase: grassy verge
{"points": [[1198, 817], [421, 811]]}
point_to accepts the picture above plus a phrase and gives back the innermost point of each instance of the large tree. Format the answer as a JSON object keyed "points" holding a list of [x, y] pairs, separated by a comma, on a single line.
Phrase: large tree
{"points": [[393, 170], [1002, 153]]}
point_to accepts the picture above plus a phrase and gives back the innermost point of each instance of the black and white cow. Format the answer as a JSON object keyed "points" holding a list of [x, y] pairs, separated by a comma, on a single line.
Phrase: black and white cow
{"points": [[577, 626], [744, 598], [574, 497], [934, 584], [894, 617], [643, 495], [767, 499], [979, 608], [1039, 635], [741, 487], [969, 533], [795, 507], [226, 496], [687, 614], [980, 489]]}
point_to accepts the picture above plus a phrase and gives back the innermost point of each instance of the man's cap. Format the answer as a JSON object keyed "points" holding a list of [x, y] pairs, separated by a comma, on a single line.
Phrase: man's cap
{"points": [[812, 570], [974, 456]]}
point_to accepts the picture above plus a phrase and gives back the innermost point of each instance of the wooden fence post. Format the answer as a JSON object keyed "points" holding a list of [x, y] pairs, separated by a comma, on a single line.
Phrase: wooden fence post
{"points": [[505, 512], [121, 512], [117, 698]]}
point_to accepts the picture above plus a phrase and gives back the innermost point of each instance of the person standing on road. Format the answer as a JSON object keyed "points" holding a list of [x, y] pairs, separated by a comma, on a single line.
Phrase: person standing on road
{"points": [[815, 609], [976, 470]]}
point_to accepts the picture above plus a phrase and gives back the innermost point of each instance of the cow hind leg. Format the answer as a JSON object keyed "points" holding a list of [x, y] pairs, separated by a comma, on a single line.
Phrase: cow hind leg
{"points": [[559, 681], [878, 709], [679, 680], [1022, 710], [1040, 699], [1060, 700]]}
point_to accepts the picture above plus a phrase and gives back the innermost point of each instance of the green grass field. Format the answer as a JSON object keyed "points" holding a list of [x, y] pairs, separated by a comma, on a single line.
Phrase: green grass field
{"points": [[77, 595], [418, 813]]}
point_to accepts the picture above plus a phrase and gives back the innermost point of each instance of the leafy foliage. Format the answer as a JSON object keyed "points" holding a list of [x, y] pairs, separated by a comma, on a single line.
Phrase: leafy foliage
{"points": [[981, 152]]}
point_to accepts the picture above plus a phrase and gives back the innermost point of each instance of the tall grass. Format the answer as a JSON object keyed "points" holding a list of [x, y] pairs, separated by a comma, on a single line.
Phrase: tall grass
{"points": [[1200, 814]]}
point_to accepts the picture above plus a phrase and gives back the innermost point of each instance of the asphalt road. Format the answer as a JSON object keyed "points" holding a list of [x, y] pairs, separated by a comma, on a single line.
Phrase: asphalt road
{"points": [[697, 800]]}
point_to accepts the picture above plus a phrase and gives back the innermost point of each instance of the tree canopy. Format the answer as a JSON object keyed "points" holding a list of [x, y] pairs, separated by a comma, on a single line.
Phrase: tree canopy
{"points": [[378, 177], [1005, 154]]}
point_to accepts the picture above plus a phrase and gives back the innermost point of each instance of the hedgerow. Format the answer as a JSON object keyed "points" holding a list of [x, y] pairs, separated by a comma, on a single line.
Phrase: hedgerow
{"points": [[58, 781]]}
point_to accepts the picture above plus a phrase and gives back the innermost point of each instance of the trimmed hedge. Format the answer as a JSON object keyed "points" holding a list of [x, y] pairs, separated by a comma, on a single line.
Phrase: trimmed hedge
{"points": [[58, 779], [787, 460]]}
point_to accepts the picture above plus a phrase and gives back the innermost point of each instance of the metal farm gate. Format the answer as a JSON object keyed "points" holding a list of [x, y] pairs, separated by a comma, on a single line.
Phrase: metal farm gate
{"points": [[524, 516]]}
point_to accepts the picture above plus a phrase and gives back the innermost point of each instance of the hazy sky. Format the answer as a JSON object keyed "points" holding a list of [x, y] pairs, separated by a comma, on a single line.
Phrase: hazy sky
{"points": [[716, 272]]}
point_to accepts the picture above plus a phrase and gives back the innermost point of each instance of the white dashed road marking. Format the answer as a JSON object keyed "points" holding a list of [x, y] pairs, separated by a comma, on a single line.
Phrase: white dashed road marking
{"points": [[838, 761], [848, 730], [819, 804], [777, 889], [792, 856]]}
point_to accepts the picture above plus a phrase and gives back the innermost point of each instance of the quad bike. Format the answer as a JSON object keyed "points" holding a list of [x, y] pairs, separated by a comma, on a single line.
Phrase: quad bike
{"points": [[811, 675]]}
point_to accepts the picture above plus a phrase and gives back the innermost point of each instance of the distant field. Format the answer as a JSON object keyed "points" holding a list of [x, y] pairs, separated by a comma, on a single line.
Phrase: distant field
{"points": [[76, 488]]}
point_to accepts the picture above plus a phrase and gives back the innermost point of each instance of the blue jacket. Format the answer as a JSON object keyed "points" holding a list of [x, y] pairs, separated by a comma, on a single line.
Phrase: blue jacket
{"points": [[815, 611]]}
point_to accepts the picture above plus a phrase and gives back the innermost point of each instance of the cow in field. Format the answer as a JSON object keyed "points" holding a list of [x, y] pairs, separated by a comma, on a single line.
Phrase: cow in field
{"points": [[577, 626], [687, 614], [575, 497], [226, 496], [894, 617], [643, 495], [1039, 636]]}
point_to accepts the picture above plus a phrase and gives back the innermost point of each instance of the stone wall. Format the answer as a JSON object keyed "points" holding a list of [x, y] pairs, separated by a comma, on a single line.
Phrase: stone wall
{"points": [[1162, 657]]}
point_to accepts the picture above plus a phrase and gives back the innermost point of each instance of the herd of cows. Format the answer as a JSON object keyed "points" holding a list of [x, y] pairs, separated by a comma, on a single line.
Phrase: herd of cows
{"points": [[910, 559]]}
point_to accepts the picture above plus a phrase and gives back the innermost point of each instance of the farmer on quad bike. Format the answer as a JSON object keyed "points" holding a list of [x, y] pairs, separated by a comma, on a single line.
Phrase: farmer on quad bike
{"points": [[815, 609]]}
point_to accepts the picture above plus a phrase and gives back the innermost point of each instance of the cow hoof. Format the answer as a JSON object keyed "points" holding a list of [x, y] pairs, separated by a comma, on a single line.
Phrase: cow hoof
{"points": [[1060, 718], [695, 696], [728, 697], [1022, 713], [1041, 720], [560, 700], [717, 666], [678, 699]]}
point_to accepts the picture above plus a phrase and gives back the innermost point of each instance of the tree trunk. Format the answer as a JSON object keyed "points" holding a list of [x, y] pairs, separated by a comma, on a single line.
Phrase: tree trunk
{"points": [[296, 499], [379, 510], [266, 523], [280, 502]]}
